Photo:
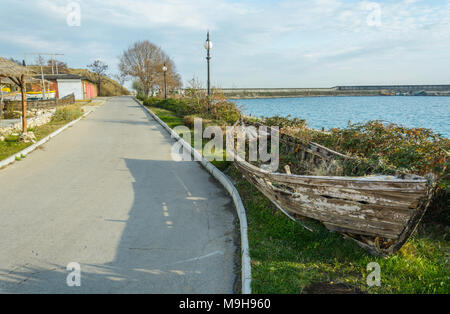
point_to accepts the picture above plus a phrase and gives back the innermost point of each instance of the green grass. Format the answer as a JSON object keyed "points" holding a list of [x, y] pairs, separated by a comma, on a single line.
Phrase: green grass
{"points": [[63, 116], [11, 146], [287, 258], [170, 118]]}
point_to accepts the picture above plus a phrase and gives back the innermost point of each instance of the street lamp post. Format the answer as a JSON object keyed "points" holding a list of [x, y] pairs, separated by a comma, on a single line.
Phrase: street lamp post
{"points": [[208, 47], [165, 81]]}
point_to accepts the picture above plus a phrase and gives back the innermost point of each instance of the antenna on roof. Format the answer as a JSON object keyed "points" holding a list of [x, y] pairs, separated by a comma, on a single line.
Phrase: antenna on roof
{"points": [[52, 58], [42, 71]]}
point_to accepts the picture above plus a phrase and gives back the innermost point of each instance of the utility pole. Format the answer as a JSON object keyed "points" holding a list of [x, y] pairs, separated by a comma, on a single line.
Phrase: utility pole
{"points": [[23, 86], [56, 64], [52, 55], [43, 84]]}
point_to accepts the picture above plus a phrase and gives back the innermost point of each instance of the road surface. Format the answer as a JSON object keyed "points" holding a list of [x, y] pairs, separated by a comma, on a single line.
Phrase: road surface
{"points": [[107, 195]]}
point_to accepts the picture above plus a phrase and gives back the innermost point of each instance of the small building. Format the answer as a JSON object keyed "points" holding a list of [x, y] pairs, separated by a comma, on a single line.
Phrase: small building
{"points": [[66, 84]]}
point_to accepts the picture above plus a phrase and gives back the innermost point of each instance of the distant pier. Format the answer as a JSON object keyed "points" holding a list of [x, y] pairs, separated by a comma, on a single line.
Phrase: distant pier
{"points": [[369, 90]]}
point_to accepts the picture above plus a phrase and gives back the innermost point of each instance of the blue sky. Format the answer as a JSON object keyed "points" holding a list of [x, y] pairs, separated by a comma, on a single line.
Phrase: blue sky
{"points": [[265, 43]]}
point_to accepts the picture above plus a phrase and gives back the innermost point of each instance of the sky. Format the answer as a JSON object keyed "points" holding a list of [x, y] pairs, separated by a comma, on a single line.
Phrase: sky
{"points": [[257, 43]]}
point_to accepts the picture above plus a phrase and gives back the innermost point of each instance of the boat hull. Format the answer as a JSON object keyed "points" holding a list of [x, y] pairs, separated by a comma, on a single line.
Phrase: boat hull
{"points": [[379, 212]]}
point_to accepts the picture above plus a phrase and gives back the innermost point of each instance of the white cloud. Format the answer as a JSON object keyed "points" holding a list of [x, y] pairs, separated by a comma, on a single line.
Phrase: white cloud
{"points": [[30, 41], [251, 37], [199, 14]]}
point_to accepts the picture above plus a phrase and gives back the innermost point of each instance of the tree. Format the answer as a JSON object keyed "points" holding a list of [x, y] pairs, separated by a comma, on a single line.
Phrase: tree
{"points": [[144, 61], [16, 61], [40, 61], [196, 91], [99, 68], [120, 78], [59, 66], [172, 77], [138, 87]]}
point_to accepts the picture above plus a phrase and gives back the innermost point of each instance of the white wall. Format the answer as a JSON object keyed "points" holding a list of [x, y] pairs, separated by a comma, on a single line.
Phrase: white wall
{"points": [[67, 87]]}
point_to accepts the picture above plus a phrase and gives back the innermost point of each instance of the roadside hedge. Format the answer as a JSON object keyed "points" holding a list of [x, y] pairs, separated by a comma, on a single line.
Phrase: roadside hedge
{"points": [[222, 112]]}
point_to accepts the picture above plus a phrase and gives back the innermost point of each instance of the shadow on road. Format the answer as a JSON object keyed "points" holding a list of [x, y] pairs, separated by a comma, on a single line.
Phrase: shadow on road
{"points": [[178, 239]]}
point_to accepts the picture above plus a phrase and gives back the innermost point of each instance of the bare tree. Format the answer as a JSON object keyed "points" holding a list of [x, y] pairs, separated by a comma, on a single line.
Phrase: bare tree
{"points": [[144, 61], [121, 78], [196, 91], [58, 65], [99, 68], [40, 61], [172, 77], [16, 61]]}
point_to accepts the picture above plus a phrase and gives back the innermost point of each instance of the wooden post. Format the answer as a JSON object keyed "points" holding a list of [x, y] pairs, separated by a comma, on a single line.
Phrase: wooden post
{"points": [[1, 99], [23, 87]]}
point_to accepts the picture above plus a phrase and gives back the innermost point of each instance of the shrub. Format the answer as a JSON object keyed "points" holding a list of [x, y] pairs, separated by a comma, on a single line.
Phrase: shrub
{"points": [[189, 121], [67, 113], [226, 112], [141, 97], [221, 111], [415, 150], [284, 122], [9, 112]]}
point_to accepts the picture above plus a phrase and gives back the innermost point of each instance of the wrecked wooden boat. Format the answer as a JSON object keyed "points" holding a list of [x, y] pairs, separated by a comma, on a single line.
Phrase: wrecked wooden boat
{"points": [[379, 212]]}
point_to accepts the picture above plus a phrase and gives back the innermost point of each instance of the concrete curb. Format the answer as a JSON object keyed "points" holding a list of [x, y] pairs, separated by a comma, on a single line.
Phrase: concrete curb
{"points": [[29, 149], [228, 185]]}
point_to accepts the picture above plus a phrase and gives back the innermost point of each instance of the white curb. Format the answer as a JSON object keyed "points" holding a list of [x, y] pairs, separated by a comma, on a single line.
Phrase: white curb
{"points": [[29, 149], [228, 185]]}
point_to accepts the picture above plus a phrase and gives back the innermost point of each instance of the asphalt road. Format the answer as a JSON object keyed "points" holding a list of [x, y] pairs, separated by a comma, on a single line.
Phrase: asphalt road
{"points": [[107, 195]]}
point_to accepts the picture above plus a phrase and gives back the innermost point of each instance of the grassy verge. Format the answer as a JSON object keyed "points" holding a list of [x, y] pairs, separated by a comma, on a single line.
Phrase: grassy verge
{"points": [[63, 115], [286, 258]]}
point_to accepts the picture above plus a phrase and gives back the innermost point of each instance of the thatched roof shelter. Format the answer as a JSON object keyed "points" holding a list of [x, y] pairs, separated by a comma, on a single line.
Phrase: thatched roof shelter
{"points": [[10, 69], [17, 74]]}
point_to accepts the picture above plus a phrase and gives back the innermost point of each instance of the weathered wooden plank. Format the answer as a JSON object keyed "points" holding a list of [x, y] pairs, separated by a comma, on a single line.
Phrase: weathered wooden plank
{"points": [[335, 207], [371, 197], [393, 214], [351, 182], [365, 183], [337, 228], [358, 225], [351, 209]]}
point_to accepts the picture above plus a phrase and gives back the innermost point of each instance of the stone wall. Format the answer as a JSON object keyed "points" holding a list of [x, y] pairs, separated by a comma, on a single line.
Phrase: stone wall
{"points": [[40, 104], [399, 88], [40, 117], [292, 92], [333, 91]]}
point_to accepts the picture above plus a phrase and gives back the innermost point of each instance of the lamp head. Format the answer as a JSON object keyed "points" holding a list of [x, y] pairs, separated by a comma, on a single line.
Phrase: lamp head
{"points": [[208, 43]]}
